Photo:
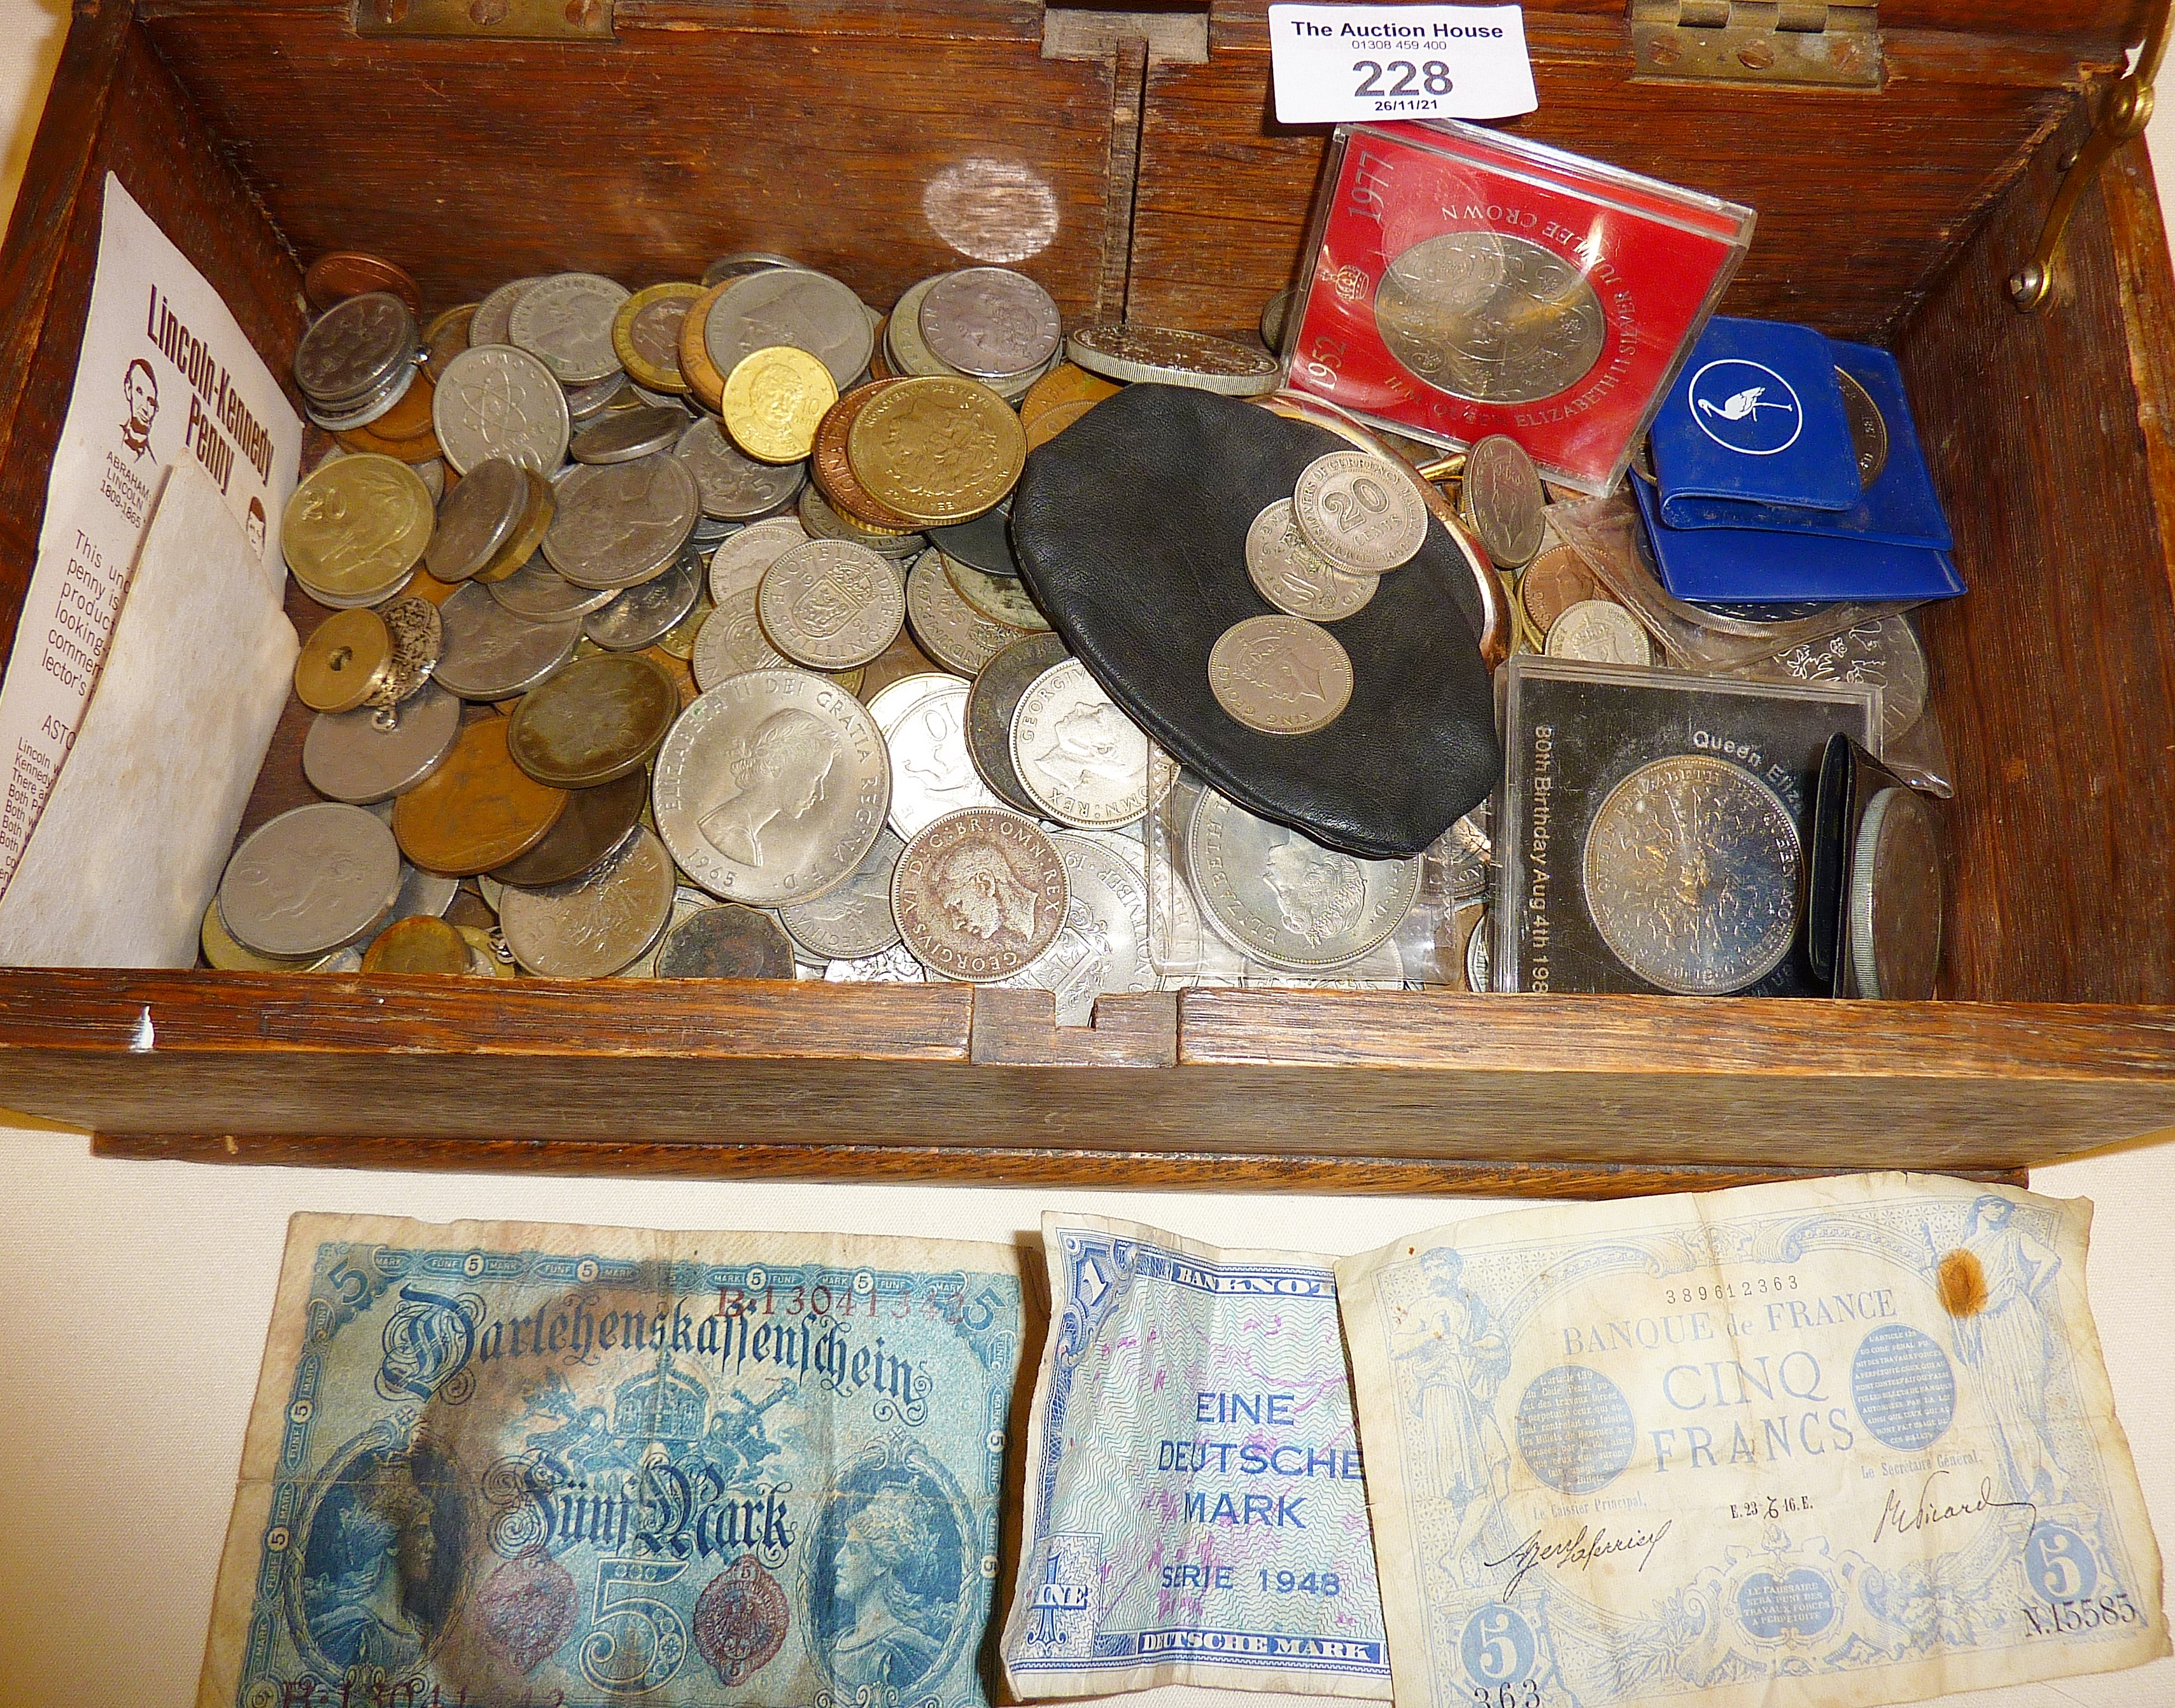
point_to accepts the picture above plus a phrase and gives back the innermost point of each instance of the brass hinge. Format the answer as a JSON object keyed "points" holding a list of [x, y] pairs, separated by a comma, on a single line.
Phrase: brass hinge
{"points": [[490, 20], [2127, 111], [1790, 42]]}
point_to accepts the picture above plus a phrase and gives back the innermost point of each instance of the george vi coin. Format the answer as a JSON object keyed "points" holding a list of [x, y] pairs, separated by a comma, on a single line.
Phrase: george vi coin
{"points": [[1103, 945], [1282, 675], [1502, 501], [1601, 631], [496, 401], [1490, 316], [1364, 515], [980, 894], [312, 880], [991, 701], [726, 940], [1081, 760], [771, 787], [1279, 897], [591, 926], [1294, 578], [1690, 875]]}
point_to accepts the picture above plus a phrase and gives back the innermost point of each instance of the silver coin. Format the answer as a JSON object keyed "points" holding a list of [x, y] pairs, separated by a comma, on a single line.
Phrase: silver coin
{"points": [[490, 654], [1280, 675], [539, 593], [950, 631], [771, 787], [353, 756], [619, 523], [593, 402], [423, 895], [994, 697], [1081, 760], [980, 894], [476, 519], [1273, 317], [932, 771], [312, 880], [1490, 317], [854, 920], [1690, 875], [1868, 429], [496, 401], [1364, 515], [1103, 945], [566, 323], [591, 926], [739, 265], [809, 312], [370, 407], [731, 487], [1501, 499], [355, 349], [1479, 978], [1281, 899], [494, 315], [741, 561], [990, 322], [908, 352], [1294, 578], [1167, 356], [823, 520], [1895, 893], [731, 643], [432, 474], [829, 604], [893, 966], [1601, 631], [642, 616], [1884, 653], [623, 434]]}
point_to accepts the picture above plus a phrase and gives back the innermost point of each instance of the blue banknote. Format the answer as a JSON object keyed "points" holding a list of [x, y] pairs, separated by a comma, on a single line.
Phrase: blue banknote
{"points": [[504, 1465], [1846, 1440], [1195, 1509]]}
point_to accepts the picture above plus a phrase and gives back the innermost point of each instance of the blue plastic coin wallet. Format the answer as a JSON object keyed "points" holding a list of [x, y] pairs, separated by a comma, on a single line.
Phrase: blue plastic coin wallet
{"points": [[1757, 416]]}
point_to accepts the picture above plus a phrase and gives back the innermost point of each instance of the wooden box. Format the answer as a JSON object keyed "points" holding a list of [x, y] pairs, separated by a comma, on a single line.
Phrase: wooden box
{"points": [[1127, 160]]}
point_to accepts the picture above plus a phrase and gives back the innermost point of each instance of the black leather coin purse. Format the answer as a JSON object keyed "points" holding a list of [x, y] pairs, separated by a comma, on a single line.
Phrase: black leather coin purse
{"points": [[1130, 530]]}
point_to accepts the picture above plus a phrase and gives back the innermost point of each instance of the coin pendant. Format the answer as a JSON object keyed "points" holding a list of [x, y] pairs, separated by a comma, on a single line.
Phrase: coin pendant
{"points": [[1282, 675], [979, 893]]}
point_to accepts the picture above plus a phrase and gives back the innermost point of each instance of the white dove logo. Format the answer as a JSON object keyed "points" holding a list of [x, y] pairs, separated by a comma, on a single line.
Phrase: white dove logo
{"points": [[1743, 390]]}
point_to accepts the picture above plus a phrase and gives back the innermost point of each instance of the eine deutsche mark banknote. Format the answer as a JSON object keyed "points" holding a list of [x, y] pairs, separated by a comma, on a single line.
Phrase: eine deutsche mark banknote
{"points": [[1839, 1443], [508, 1464]]}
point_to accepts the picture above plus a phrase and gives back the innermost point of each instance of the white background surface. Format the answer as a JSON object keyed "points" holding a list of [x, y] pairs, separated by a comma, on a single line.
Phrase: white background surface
{"points": [[134, 1298]]}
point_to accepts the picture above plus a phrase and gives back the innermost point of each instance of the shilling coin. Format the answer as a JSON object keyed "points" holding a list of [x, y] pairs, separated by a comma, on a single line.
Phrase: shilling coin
{"points": [[1602, 632], [1690, 875], [1502, 501], [357, 527], [495, 313], [741, 561], [491, 653], [1894, 900], [807, 310], [600, 717], [832, 470], [1490, 317], [771, 787], [355, 349], [985, 542], [1884, 652], [496, 401], [642, 616], [830, 605], [911, 357], [621, 523], [337, 276], [999, 597], [596, 821], [566, 323], [1282, 675], [726, 941], [855, 919], [221, 952], [1868, 429], [931, 773], [1362, 514], [1294, 578], [954, 633], [591, 926], [351, 757], [623, 434], [479, 810], [824, 521], [1103, 945], [1175, 358], [1281, 899], [419, 944], [1552, 583], [937, 450], [1082, 761], [732, 643], [477, 518], [645, 335], [731, 487], [774, 400], [311, 880], [540, 594], [991, 701], [344, 661], [980, 894], [727, 267], [445, 338], [989, 322]]}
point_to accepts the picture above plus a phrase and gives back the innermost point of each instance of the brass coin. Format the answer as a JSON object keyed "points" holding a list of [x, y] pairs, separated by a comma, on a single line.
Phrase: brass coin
{"points": [[345, 273], [528, 534], [479, 810], [596, 821], [477, 518], [407, 422], [704, 383], [600, 717], [1055, 419], [937, 450], [645, 336], [1552, 583], [1282, 675], [221, 952], [681, 673], [418, 944], [1066, 383], [356, 528], [726, 941], [344, 662], [833, 470], [774, 400], [679, 640]]}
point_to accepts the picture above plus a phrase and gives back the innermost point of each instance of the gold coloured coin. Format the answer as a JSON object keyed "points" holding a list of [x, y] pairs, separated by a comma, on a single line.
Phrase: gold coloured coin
{"points": [[645, 336], [344, 661], [599, 718], [937, 450], [356, 528], [775, 399], [704, 383], [528, 534], [222, 952], [418, 944]]}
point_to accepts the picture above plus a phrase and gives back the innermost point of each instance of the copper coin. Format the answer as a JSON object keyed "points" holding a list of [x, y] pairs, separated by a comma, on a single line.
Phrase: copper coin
{"points": [[834, 474], [445, 338], [727, 941], [368, 441], [1557, 580], [479, 810], [346, 272], [601, 718], [695, 368], [418, 944], [596, 821], [344, 661], [1065, 383], [979, 893], [1055, 419]]}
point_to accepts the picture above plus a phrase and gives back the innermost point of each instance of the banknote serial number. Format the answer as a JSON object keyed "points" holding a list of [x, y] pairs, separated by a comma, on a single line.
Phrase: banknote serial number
{"points": [[1324, 1584], [1525, 1694], [1724, 1291], [2065, 1619]]}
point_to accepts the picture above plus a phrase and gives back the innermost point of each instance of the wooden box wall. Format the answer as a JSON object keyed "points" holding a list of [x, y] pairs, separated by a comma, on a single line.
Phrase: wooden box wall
{"points": [[883, 143]]}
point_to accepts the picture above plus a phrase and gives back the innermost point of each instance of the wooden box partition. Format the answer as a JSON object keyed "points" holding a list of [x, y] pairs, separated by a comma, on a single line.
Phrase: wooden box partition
{"points": [[1129, 162]]}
